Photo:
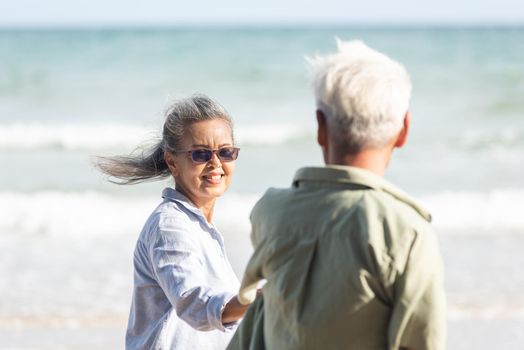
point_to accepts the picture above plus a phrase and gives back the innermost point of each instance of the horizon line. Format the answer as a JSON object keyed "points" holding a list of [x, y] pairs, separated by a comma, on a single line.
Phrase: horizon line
{"points": [[313, 24]]}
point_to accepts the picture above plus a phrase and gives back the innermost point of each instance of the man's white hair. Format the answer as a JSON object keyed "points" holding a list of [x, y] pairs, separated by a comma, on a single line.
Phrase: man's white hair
{"points": [[363, 94]]}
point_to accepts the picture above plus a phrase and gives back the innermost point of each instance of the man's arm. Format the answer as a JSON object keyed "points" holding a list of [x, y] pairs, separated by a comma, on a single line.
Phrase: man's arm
{"points": [[418, 319], [252, 277]]}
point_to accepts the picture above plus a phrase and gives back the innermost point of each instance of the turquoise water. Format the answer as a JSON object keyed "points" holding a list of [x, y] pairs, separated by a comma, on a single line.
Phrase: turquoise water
{"points": [[66, 95], [467, 104]]}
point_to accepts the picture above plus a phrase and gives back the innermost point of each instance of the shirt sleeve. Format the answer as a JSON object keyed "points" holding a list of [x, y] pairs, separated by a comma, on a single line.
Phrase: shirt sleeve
{"points": [[252, 275], [180, 272], [418, 319]]}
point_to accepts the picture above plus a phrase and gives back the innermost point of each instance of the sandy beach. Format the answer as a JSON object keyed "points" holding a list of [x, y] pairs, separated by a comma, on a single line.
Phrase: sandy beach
{"points": [[481, 314]]}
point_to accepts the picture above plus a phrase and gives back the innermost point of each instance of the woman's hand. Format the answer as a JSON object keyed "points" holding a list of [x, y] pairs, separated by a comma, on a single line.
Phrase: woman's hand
{"points": [[233, 311]]}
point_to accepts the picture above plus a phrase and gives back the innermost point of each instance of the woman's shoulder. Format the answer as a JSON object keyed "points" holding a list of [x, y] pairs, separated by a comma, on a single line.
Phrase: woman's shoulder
{"points": [[167, 222], [170, 215]]}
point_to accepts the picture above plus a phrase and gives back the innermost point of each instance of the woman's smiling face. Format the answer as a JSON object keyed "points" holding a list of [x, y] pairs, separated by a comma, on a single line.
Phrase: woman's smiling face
{"points": [[202, 183]]}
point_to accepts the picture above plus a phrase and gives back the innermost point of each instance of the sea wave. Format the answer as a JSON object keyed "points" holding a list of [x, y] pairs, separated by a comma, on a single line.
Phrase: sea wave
{"points": [[71, 137], [90, 137], [91, 213], [506, 138], [114, 136], [487, 212]]}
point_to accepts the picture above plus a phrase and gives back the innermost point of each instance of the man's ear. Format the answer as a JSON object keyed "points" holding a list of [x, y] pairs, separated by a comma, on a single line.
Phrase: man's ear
{"points": [[322, 129], [403, 134], [170, 161]]}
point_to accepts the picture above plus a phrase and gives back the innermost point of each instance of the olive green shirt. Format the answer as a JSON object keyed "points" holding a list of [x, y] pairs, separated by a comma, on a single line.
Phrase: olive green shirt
{"points": [[351, 262]]}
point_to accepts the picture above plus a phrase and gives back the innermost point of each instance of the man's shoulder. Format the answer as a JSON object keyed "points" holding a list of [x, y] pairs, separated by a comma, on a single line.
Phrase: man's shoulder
{"points": [[391, 207], [276, 193], [383, 203], [390, 227], [272, 199]]}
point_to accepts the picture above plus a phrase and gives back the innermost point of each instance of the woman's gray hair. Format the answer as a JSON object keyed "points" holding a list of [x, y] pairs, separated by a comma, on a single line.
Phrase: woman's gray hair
{"points": [[363, 94], [149, 163]]}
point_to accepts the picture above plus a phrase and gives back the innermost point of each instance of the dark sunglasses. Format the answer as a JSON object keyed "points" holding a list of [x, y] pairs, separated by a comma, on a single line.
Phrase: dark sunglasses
{"points": [[204, 155]]}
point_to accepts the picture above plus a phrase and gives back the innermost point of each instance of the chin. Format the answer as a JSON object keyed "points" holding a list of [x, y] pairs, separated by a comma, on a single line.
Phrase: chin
{"points": [[216, 192]]}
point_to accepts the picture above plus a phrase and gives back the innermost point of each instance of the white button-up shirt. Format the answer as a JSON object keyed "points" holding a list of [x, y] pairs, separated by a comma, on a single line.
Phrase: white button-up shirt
{"points": [[182, 281]]}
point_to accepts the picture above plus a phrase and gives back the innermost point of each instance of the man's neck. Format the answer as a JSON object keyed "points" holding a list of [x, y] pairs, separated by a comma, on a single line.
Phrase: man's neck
{"points": [[374, 160]]}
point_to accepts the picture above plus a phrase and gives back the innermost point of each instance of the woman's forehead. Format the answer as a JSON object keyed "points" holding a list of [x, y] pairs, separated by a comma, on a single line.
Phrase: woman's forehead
{"points": [[208, 133]]}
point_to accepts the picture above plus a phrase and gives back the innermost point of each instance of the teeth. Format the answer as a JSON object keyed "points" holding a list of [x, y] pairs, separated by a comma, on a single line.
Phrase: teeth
{"points": [[215, 177]]}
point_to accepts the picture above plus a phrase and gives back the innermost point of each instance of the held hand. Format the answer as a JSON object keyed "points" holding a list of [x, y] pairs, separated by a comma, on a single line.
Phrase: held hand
{"points": [[233, 311]]}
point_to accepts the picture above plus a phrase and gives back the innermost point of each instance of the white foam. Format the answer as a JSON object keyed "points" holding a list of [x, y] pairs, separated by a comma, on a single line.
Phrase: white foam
{"points": [[91, 213], [488, 212], [123, 136], [78, 213], [505, 138], [71, 137]]}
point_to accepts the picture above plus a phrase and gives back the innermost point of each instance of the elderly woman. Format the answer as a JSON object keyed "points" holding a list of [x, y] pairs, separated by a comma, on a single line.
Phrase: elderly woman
{"points": [[184, 293]]}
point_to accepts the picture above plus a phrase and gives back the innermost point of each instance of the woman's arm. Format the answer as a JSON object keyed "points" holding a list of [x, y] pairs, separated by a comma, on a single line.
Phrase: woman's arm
{"points": [[180, 272]]}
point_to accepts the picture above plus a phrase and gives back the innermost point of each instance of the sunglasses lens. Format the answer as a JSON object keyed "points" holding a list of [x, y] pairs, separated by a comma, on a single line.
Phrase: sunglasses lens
{"points": [[228, 153], [201, 155], [204, 155]]}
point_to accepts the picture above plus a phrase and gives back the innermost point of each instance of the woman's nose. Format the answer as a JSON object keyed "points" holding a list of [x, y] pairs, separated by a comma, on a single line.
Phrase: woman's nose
{"points": [[215, 161]]}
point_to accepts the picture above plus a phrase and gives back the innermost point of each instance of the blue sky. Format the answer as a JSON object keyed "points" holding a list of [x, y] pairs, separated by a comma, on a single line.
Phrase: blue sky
{"points": [[173, 12]]}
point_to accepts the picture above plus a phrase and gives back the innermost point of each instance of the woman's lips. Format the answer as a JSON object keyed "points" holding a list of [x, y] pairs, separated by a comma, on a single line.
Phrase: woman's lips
{"points": [[214, 178]]}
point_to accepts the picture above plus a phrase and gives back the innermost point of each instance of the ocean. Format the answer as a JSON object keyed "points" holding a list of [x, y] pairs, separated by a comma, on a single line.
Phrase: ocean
{"points": [[67, 95]]}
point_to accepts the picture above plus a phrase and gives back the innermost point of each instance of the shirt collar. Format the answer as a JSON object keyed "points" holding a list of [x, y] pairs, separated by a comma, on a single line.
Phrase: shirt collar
{"points": [[357, 177], [175, 196]]}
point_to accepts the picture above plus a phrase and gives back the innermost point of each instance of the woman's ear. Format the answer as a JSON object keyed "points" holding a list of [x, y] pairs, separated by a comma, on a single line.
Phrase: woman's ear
{"points": [[403, 134], [170, 161]]}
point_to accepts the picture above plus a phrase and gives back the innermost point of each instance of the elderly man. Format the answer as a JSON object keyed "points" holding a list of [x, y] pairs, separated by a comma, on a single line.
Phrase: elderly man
{"points": [[351, 262]]}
